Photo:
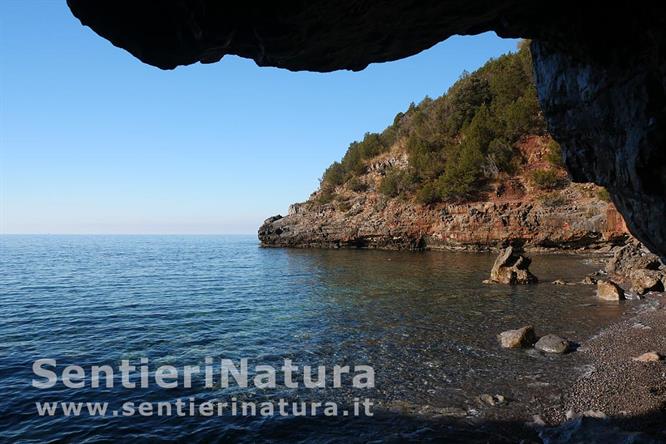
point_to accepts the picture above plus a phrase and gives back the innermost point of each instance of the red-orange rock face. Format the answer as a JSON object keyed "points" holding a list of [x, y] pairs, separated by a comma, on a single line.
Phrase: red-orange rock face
{"points": [[511, 211]]}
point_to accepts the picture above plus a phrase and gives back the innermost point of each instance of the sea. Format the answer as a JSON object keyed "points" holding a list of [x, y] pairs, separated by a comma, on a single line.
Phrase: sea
{"points": [[423, 322]]}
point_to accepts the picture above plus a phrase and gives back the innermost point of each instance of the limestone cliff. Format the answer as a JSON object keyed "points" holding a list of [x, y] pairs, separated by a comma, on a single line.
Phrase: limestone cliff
{"points": [[512, 210]]}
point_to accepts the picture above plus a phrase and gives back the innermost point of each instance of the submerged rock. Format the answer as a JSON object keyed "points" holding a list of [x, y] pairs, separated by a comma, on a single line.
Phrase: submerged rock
{"points": [[552, 344], [492, 400], [451, 411], [522, 337], [609, 291], [512, 268]]}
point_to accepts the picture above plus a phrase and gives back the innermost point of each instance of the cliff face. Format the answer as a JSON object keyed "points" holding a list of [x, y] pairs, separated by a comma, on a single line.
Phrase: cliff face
{"points": [[512, 210], [609, 114]]}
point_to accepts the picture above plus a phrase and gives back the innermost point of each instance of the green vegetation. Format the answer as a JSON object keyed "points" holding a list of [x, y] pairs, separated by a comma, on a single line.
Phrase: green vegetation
{"points": [[353, 163], [357, 185], [396, 182], [604, 195], [554, 154], [554, 199], [455, 142], [325, 196], [546, 179]]}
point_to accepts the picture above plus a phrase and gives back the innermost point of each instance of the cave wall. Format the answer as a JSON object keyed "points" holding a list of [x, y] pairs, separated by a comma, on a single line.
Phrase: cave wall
{"points": [[610, 118], [600, 66]]}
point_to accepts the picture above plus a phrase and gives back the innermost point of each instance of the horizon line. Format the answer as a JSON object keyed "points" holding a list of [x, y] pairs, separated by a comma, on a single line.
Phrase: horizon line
{"points": [[127, 234]]}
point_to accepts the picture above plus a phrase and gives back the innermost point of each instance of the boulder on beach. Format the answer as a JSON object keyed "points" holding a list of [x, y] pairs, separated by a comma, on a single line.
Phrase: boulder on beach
{"points": [[649, 357], [522, 337], [492, 400], [552, 344], [609, 291], [512, 268], [643, 280], [633, 256], [637, 267]]}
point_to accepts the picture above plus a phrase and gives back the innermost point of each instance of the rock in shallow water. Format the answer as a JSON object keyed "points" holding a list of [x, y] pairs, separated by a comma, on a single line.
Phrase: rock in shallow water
{"points": [[522, 337], [512, 268], [609, 291], [552, 344]]}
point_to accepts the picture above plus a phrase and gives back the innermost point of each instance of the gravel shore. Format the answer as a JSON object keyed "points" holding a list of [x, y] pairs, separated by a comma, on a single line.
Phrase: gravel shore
{"points": [[619, 399]]}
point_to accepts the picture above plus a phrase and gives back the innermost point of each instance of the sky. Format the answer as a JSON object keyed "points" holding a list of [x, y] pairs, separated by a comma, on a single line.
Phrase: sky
{"points": [[93, 141]]}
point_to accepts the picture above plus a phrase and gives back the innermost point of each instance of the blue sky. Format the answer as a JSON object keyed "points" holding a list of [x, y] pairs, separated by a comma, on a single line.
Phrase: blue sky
{"points": [[94, 141]]}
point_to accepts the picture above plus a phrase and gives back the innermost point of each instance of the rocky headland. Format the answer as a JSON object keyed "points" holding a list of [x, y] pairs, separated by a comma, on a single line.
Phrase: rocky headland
{"points": [[473, 169], [512, 210]]}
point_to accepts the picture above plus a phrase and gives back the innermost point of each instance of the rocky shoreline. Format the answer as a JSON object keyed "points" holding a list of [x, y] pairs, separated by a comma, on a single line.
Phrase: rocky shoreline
{"points": [[615, 398], [618, 391], [620, 397], [377, 223], [621, 394], [573, 217]]}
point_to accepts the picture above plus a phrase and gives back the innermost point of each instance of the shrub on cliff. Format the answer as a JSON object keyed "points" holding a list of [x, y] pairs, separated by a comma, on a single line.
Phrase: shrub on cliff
{"points": [[524, 116], [425, 158], [353, 163], [603, 195], [465, 98], [501, 157], [546, 179], [325, 195], [428, 194], [356, 185], [554, 154], [460, 180], [334, 175], [396, 182], [553, 199]]}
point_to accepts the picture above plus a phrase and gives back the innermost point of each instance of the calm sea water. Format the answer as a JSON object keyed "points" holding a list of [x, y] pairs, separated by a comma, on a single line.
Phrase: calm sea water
{"points": [[423, 321]]}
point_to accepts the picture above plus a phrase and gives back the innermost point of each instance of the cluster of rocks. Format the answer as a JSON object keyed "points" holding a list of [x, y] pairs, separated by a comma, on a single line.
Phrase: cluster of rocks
{"points": [[632, 266], [635, 268], [638, 267], [525, 337]]}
